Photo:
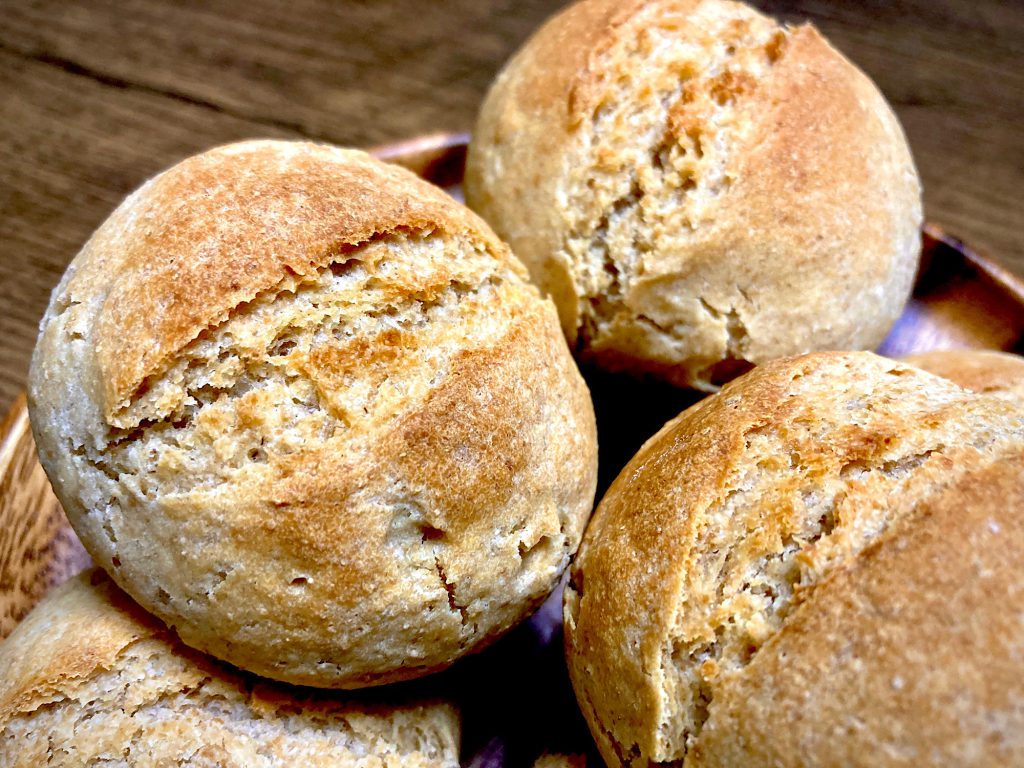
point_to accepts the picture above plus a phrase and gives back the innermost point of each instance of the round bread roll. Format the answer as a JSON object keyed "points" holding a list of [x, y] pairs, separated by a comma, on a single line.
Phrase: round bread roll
{"points": [[980, 370], [89, 679], [697, 187], [307, 409], [820, 565]]}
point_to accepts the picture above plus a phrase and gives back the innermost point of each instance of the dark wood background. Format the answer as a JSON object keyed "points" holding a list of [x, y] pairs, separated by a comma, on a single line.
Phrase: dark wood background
{"points": [[97, 96]]}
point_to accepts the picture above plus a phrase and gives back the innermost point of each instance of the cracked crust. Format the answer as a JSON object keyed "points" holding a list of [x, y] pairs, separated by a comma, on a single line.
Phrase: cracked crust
{"points": [[306, 409], [697, 187], [90, 678], [1000, 374], [909, 657], [727, 530]]}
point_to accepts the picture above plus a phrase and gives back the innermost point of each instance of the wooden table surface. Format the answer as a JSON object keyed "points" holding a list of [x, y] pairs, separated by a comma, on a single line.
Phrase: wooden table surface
{"points": [[97, 96]]}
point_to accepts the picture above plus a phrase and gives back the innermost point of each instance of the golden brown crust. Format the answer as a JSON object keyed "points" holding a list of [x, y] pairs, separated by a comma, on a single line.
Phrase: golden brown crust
{"points": [[70, 635], [678, 176], [395, 445], [908, 657], [567, 50], [89, 676], [221, 227], [729, 518], [979, 370]]}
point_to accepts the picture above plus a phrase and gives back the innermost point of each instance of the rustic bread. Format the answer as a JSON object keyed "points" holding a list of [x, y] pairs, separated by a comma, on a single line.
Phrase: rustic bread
{"points": [[979, 370], [307, 409], [89, 678], [698, 187], [820, 565]]}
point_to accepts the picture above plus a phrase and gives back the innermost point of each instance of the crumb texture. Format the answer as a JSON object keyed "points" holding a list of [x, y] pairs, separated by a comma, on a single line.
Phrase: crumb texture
{"points": [[353, 344], [751, 500], [151, 702], [670, 82]]}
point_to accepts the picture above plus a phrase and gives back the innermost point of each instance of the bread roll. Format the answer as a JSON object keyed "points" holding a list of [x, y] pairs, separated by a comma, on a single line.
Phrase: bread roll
{"points": [[88, 678], [820, 565], [698, 187], [306, 409], [979, 370]]}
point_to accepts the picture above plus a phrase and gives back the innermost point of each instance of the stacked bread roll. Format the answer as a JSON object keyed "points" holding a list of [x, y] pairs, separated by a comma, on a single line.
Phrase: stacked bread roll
{"points": [[92, 679], [313, 419]]}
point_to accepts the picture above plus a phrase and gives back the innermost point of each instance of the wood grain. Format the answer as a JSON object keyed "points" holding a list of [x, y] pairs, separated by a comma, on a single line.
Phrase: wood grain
{"points": [[38, 549]]}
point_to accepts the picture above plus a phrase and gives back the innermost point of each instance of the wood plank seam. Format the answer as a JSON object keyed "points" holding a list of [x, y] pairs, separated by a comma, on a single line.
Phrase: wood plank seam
{"points": [[79, 70]]}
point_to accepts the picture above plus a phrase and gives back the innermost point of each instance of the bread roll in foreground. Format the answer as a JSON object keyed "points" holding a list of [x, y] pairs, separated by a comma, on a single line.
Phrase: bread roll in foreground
{"points": [[698, 187], [88, 678], [980, 370], [820, 565], [306, 408]]}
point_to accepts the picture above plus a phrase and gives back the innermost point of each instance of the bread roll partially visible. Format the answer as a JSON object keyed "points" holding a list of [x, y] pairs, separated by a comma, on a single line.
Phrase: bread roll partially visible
{"points": [[820, 565], [88, 678], [979, 370], [307, 409], [698, 187]]}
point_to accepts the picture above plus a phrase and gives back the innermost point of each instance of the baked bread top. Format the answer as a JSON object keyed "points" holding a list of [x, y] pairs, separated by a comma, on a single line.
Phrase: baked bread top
{"points": [[698, 187], [919, 639], [89, 677], [980, 370], [225, 227], [306, 408], [783, 503]]}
